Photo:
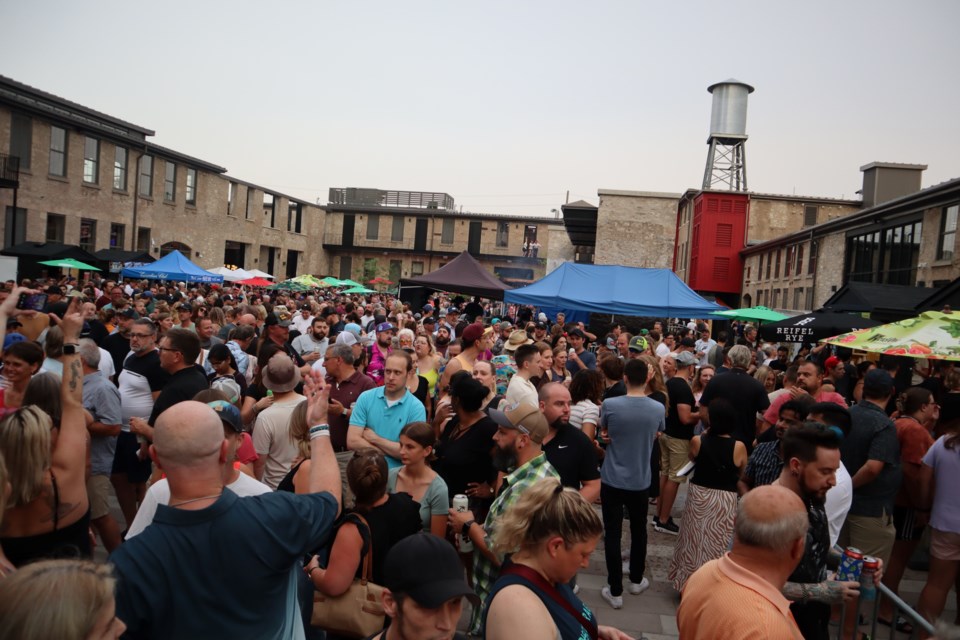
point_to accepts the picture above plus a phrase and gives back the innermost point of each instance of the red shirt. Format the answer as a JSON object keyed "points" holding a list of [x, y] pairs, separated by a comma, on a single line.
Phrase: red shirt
{"points": [[345, 393], [915, 441]]}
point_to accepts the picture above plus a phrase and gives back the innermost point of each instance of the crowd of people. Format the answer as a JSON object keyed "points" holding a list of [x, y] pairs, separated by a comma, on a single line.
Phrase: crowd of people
{"points": [[268, 450]]}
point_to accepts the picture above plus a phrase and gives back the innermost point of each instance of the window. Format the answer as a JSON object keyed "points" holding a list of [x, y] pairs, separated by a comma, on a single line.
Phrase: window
{"points": [[789, 262], [88, 234], [776, 271], [231, 194], [270, 209], [749, 271], [91, 160], [948, 232], [446, 236], [249, 210], [190, 196], [416, 269], [810, 212], [346, 267], [396, 234], [117, 233], [809, 302], [21, 138], [146, 176], [799, 268], [798, 298], [58, 152], [294, 217], [760, 268], [298, 223], [56, 227], [369, 269], [373, 230], [120, 169], [15, 226], [503, 234], [885, 257], [396, 270], [814, 252], [769, 264], [170, 182], [143, 239], [776, 299]]}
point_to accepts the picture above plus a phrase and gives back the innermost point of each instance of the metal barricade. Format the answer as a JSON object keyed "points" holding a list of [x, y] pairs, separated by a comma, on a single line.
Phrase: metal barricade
{"points": [[870, 609]]}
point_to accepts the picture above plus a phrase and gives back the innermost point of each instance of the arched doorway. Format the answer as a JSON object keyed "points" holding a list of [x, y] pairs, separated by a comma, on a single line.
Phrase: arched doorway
{"points": [[169, 247]]}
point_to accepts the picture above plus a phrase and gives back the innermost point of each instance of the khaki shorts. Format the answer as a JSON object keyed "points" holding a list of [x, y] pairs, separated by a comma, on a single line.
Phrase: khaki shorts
{"points": [[674, 454], [873, 535], [944, 545], [98, 489]]}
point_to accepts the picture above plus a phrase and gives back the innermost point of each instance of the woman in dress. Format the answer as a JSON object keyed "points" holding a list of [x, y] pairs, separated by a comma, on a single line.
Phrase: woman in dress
{"points": [[417, 479], [707, 525], [551, 533]]}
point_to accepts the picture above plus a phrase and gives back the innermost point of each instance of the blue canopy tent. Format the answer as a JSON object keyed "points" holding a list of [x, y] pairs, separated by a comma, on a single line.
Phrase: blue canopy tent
{"points": [[173, 266], [610, 289]]}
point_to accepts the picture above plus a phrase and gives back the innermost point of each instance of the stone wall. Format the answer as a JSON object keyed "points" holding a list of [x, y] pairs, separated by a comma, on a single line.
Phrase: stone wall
{"points": [[636, 228]]}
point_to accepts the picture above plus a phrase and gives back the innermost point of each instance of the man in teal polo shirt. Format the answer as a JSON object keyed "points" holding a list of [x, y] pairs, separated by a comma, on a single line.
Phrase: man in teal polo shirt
{"points": [[381, 413]]}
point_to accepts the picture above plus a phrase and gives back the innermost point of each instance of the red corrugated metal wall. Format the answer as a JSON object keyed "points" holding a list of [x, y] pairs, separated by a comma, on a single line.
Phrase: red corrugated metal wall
{"points": [[718, 236]]}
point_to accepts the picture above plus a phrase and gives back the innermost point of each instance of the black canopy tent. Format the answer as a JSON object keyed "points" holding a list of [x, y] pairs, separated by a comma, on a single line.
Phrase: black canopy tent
{"points": [[884, 302], [114, 260], [464, 275], [30, 254], [813, 327]]}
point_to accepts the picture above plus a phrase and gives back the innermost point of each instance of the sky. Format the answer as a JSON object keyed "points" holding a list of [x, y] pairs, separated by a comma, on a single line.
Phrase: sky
{"points": [[509, 106]]}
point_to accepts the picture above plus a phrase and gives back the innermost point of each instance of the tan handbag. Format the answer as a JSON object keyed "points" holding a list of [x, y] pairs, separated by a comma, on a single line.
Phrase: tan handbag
{"points": [[358, 612]]}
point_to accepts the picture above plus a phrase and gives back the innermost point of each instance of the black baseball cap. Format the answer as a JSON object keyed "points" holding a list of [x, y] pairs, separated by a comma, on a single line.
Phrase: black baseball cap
{"points": [[426, 568]]}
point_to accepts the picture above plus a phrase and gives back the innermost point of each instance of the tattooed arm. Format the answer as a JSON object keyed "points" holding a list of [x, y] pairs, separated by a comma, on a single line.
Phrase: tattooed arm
{"points": [[70, 452], [828, 591]]}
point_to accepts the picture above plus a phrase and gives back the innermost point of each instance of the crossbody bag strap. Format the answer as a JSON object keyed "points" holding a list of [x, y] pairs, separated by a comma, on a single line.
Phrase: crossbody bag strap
{"points": [[534, 577], [366, 572]]}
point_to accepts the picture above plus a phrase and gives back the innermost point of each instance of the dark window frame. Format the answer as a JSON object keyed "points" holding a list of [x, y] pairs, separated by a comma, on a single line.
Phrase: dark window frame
{"points": [[146, 176], [57, 154], [59, 225], [190, 192], [120, 168], [948, 232], [170, 182], [21, 139], [91, 160]]}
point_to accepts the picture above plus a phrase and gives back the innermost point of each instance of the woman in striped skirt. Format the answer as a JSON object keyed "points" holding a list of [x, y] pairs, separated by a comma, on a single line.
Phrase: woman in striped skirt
{"points": [[707, 524]]}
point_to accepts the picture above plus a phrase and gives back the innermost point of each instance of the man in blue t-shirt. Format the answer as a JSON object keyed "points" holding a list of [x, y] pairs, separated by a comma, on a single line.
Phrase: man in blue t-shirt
{"points": [[213, 563], [579, 357]]}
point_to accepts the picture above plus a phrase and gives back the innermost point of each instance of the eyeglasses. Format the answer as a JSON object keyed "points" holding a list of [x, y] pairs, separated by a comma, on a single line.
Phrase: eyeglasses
{"points": [[168, 349], [140, 335]]}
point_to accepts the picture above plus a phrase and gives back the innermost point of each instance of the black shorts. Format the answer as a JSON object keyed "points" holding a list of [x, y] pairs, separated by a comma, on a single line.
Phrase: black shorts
{"points": [[905, 522], [126, 461]]}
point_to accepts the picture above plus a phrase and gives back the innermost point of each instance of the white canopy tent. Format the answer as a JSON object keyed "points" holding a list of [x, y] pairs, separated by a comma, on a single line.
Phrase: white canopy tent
{"points": [[232, 275]]}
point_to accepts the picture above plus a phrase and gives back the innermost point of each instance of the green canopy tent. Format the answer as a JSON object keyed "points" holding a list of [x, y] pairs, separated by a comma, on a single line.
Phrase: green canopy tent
{"points": [[358, 289]]}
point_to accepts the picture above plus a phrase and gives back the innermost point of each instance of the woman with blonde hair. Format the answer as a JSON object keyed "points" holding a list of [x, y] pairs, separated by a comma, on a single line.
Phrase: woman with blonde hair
{"points": [[63, 599], [428, 364], [559, 372], [485, 374], [6, 567], [49, 513], [551, 532]]}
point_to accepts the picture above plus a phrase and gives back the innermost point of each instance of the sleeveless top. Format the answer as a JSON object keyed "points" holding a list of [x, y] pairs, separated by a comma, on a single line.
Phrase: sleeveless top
{"points": [[73, 541], [432, 376], [715, 467], [287, 483], [568, 627]]}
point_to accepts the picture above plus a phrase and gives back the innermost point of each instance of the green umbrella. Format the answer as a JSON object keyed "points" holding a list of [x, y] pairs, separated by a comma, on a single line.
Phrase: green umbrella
{"points": [[330, 281], [358, 289], [762, 314], [289, 285], [310, 281], [932, 335], [69, 263], [350, 283]]}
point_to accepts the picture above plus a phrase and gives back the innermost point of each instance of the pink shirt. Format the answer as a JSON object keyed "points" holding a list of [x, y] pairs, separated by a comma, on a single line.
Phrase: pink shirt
{"points": [[773, 413]]}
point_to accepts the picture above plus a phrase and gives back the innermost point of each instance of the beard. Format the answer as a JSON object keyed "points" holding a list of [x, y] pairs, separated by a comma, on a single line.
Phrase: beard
{"points": [[504, 460], [442, 341], [810, 494], [559, 424]]}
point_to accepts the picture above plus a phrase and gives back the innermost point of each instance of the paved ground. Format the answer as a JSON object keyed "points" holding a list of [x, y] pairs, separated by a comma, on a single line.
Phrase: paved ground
{"points": [[652, 614]]}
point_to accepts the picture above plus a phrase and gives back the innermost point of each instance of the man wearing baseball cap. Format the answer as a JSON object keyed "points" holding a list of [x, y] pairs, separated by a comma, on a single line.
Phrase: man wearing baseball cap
{"points": [[377, 352], [472, 342], [424, 590], [519, 454]]}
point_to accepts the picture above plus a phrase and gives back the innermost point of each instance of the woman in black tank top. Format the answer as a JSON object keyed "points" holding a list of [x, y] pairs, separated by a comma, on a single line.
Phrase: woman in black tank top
{"points": [[707, 524]]}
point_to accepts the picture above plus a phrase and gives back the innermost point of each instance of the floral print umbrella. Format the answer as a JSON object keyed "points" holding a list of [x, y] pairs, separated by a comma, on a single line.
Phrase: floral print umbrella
{"points": [[932, 334]]}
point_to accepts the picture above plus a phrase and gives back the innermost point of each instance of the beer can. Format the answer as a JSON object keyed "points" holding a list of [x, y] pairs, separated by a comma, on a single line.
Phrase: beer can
{"points": [[851, 565], [868, 590], [461, 504]]}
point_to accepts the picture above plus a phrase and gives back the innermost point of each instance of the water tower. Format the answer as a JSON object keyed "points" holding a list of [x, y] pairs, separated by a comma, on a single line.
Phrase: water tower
{"points": [[727, 160]]}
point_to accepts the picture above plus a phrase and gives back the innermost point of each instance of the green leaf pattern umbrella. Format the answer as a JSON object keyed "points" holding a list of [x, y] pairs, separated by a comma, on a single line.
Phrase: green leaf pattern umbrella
{"points": [[752, 313], [932, 335]]}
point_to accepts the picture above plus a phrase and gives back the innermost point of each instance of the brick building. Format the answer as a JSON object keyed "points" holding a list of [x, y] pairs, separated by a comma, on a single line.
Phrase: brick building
{"points": [[399, 234], [89, 179], [903, 235]]}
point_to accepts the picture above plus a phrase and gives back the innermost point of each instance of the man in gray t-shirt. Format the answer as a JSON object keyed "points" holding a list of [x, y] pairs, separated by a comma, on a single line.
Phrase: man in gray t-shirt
{"points": [[630, 423]]}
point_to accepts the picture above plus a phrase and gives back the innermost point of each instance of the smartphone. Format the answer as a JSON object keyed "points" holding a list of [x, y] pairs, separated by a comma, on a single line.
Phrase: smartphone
{"points": [[32, 301]]}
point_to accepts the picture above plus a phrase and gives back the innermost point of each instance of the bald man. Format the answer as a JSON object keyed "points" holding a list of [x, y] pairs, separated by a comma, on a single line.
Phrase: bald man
{"points": [[222, 562], [738, 596]]}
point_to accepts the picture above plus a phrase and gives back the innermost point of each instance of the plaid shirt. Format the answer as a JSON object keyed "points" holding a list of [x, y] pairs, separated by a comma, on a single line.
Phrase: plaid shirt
{"points": [[765, 464], [485, 572]]}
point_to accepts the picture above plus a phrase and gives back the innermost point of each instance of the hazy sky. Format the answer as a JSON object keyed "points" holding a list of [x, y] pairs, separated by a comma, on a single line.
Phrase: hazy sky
{"points": [[508, 105]]}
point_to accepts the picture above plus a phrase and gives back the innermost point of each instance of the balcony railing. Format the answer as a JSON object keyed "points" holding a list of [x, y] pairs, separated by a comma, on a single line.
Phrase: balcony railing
{"points": [[399, 199], [9, 170]]}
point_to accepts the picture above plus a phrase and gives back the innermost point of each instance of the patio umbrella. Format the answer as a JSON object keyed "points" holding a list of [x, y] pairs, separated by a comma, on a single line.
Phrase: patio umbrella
{"points": [[310, 281], [814, 327], [762, 314], [288, 285], [331, 281], [379, 280], [256, 282], [69, 263], [261, 274], [349, 283], [358, 289], [932, 334]]}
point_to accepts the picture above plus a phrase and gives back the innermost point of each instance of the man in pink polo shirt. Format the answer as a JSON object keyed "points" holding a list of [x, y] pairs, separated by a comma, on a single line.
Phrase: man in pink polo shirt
{"points": [[809, 381]]}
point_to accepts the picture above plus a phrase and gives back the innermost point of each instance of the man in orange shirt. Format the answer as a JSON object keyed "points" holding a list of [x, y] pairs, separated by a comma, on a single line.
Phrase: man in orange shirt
{"points": [[738, 597]]}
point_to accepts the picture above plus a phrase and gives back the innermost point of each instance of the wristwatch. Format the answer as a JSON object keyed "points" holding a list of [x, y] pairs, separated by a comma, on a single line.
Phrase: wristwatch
{"points": [[70, 349], [465, 529]]}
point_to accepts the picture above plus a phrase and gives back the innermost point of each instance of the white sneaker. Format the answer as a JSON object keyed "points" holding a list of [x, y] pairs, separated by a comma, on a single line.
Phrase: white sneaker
{"points": [[637, 589], [614, 601]]}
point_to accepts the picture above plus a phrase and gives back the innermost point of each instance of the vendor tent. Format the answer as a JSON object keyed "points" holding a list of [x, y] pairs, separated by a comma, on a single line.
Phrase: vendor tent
{"points": [[231, 275], [173, 266], [614, 289], [463, 274]]}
